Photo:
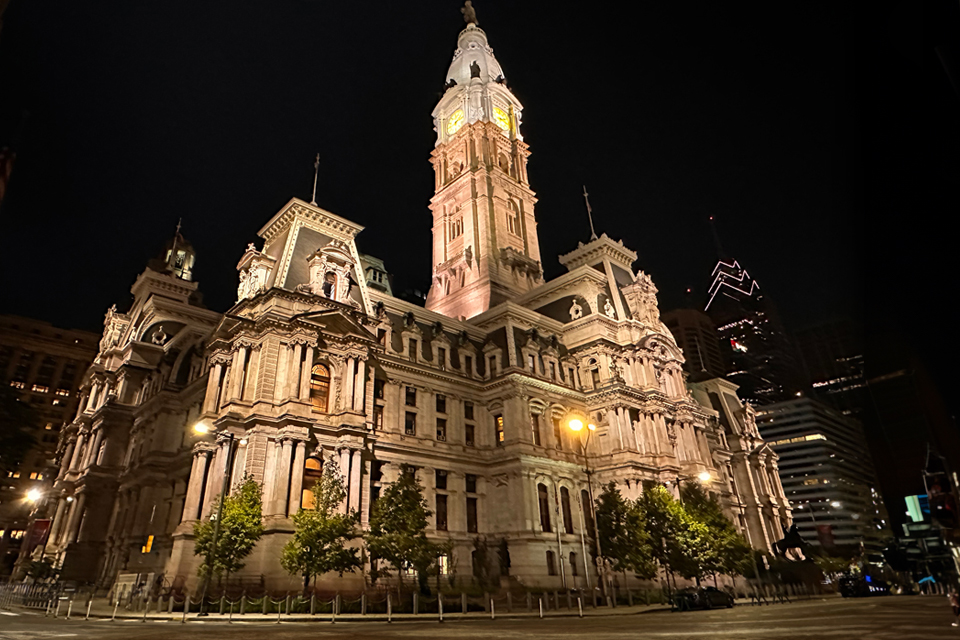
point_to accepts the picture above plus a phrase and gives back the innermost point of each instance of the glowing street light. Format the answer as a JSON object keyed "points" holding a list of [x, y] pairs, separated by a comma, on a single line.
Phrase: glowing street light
{"points": [[576, 424], [704, 476], [202, 427], [34, 495], [835, 504]]}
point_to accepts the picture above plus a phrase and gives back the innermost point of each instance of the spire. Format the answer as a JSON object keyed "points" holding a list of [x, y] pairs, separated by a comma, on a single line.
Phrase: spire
{"points": [[316, 170], [586, 198]]}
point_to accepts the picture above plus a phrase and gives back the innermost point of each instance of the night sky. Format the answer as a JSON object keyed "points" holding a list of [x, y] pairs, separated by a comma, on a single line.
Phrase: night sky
{"points": [[793, 123]]}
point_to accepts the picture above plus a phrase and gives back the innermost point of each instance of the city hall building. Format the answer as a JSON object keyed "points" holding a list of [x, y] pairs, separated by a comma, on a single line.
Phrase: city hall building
{"points": [[317, 360]]}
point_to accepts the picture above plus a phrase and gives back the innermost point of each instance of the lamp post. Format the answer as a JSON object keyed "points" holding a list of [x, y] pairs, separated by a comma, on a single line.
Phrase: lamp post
{"points": [[225, 486], [576, 425]]}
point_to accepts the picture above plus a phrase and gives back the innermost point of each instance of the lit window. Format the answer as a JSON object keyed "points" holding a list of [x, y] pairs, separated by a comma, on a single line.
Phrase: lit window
{"points": [[320, 387], [63, 392], [40, 388], [498, 424], [16, 384]]}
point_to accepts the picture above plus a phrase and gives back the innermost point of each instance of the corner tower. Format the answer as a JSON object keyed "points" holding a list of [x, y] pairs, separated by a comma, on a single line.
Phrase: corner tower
{"points": [[485, 246]]}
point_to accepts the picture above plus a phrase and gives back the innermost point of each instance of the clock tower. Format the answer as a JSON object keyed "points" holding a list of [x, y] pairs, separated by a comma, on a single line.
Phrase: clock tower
{"points": [[485, 247]]}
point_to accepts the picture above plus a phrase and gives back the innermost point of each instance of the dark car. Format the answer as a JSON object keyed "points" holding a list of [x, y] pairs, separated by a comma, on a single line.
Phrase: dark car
{"points": [[701, 598], [862, 586]]}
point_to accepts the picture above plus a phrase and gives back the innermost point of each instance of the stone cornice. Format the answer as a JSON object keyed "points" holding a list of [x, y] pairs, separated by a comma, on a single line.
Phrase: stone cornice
{"points": [[333, 224]]}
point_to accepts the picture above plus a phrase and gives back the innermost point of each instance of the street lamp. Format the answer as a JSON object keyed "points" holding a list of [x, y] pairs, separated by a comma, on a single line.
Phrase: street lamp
{"points": [[34, 495], [576, 425], [203, 428]]}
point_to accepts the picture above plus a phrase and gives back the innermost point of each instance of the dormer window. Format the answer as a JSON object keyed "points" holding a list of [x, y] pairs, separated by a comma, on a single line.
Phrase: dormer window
{"points": [[329, 284]]}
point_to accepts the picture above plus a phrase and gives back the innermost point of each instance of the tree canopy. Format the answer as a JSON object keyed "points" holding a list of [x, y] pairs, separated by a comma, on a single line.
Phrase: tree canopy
{"points": [[322, 532], [240, 529], [398, 523], [626, 542]]}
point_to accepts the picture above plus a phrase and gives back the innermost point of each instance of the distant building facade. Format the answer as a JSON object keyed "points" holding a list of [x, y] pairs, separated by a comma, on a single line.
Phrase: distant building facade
{"points": [[827, 474], [761, 358], [832, 356], [317, 361], [45, 365], [697, 337]]}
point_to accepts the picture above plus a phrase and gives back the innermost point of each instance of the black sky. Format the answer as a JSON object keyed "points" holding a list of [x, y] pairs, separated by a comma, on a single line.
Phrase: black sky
{"points": [[766, 116]]}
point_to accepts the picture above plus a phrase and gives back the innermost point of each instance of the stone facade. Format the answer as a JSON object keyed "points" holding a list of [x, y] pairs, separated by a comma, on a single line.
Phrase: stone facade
{"points": [[476, 391]]}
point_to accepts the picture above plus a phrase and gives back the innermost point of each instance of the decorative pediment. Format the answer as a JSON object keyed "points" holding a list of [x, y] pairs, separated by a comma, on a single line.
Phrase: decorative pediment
{"points": [[114, 326], [255, 270]]}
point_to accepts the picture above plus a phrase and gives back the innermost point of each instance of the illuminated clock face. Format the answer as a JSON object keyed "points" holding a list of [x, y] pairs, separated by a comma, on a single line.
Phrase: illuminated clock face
{"points": [[455, 122], [501, 118]]}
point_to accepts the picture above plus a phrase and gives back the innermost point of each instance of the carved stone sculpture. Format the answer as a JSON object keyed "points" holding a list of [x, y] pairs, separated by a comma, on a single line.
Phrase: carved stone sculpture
{"points": [[576, 311]]}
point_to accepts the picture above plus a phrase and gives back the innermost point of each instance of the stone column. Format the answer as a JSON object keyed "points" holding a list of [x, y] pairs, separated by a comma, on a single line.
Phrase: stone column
{"points": [[345, 473], [280, 390], [305, 375], [296, 478], [92, 397], [237, 371], [191, 506], [57, 523], [75, 515], [365, 495], [349, 378], [278, 505], [213, 388], [358, 388], [355, 469], [293, 369], [67, 457], [78, 451], [94, 449], [212, 491]]}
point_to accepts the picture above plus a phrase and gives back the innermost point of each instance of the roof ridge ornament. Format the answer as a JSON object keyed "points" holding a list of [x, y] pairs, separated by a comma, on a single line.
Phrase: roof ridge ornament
{"points": [[586, 198], [469, 13]]}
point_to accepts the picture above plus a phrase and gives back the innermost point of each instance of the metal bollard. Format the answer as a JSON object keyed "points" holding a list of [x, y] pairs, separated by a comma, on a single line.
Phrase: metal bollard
{"points": [[223, 602], [509, 602], [463, 601], [338, 601], [279, 610], [313, 603], [389, 608], [493, 611], [230, 615], [243, 603], [170, 603], [540, 600], [333, 611], [580, 606], [440, 605], [69, 608], [146, 608], [56, 613], [186, 607], [288, 603], [89, 604], [363, 604], [416, 603]]}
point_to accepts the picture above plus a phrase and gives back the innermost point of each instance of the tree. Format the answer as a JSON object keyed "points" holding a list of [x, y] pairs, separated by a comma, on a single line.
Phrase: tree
{"points": [[666, 524], [17, 419], [241, 527], [728, 551], [398, 523], [626, 541], [321, 533]]}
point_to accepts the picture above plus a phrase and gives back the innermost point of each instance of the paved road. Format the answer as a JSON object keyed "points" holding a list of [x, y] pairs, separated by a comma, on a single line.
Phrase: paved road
{"points": [[900, 618]]}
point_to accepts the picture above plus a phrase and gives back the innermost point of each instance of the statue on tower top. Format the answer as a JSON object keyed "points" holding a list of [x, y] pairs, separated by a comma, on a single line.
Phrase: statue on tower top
{"points": [[469, 13]]}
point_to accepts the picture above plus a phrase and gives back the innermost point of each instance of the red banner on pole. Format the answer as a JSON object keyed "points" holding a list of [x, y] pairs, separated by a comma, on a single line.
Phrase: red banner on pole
{"points": [[38, 533]]}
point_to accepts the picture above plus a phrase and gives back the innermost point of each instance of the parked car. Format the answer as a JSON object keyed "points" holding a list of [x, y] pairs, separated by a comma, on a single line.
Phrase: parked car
{"points": [[701, 598]]}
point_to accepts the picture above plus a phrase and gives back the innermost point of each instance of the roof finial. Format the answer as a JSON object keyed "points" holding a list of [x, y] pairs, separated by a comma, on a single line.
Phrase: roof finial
{"points": [[469, 13], [316, 170], [586, 198], [176, 236]]}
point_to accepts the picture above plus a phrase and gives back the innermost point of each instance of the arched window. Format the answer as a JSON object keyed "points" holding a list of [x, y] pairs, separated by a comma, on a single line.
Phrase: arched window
{"points": [[312, 472], [565, 510], [513, 219], [543, 498], [320, 387], [329, 284], [594, 373], [551, 564]]}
